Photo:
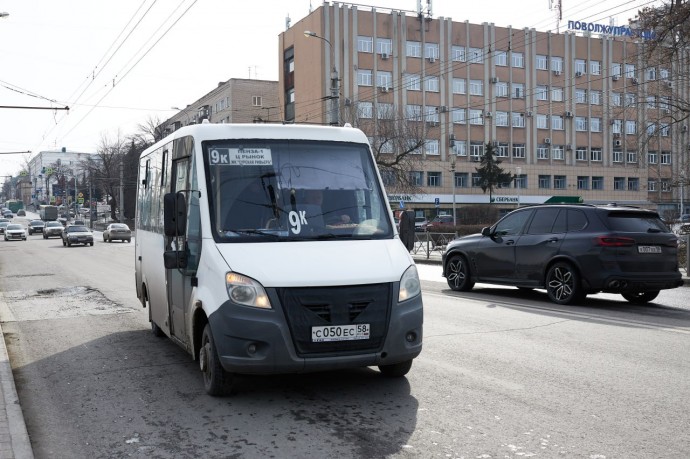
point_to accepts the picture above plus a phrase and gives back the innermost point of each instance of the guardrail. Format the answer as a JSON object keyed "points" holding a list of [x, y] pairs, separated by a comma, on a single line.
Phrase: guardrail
{"points": [[426, 243]]}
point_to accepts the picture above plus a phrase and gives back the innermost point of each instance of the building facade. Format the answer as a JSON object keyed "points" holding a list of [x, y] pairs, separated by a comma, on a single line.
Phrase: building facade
{"points": [[571, 116], [234, 101], [51, 172]]}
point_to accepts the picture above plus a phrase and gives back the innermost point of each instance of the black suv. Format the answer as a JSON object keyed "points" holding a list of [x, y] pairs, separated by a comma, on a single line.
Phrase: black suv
{"points": [[36, 226], [571, 251]]}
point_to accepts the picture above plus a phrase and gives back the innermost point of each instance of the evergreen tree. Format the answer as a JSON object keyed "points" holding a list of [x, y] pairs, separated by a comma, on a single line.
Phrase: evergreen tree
{"points": [[491, 175]]}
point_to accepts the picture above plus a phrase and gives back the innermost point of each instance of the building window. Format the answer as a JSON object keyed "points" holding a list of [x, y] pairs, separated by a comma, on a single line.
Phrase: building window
{"points": [[631, 157], [431, 113], [650, 74], [616, 126], [384, 79], [459, 116], [581, 154], [629, 70], [665, 157], [580, 66], [431, 147], [518, 60], [595, 154], [476, 180], [364, 78], [581, 124], [542, 151], [432, 84], [651, 185], [664, 130], [257, 101], [460, 148], [365, 110], [518, 150], [619, 183], [413, 112], [501, 118], [365, 44], [652, 157], [582, 182], [459, 86], [476, 117], [665, 186], [598, 183], [542, 93], [630, 127], [476, 56], [559, 182], [416, 178], [665, 103], [664, 74], [542, 121], [557, 122], [617, 156], [502, 150], [595, 124], [501, 89], [595, 67], [384, 46], [544, 181], [476, 87], [595, 97], [616, 99], [633, 184], [556, 64], [413, 82], [414, 49], [385, 111], [518, 120], [580, 96], [616, 69], [458, 53], [431, 50], [557, 94], [651, 102], [558, 152], [630, 99], [433, 179], [517, 91], [476, 150], [501, 58], [461, 179], [542, 62]]}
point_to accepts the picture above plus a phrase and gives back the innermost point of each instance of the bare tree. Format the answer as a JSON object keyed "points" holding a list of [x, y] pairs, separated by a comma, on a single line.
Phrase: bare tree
{"points": [[104, 167], [397, 144]]}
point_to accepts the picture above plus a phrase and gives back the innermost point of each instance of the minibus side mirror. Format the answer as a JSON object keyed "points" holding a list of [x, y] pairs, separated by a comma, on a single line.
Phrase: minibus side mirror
{"points": [[175, 259], [174, 214]]}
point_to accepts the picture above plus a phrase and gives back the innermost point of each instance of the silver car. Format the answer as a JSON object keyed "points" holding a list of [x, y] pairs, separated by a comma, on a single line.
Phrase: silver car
{"points": [[14, 231], [117, 232], [52, 229], [77, 234]]}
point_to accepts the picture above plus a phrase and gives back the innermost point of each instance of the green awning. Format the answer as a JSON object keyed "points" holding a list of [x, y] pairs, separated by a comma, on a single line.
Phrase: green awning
{"points": [[564, 200]]}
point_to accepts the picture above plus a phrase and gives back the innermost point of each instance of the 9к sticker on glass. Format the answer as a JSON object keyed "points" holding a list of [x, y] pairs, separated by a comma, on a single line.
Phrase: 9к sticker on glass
{"points": [[240, 157]]}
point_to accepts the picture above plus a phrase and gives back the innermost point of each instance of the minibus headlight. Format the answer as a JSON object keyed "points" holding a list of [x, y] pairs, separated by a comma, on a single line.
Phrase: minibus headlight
{"points": [[409, 284], [246, 291]]}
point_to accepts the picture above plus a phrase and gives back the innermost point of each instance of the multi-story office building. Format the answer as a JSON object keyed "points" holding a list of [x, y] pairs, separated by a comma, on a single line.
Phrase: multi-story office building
{"points": [[50, 171], [572, 116], [234, 101]]}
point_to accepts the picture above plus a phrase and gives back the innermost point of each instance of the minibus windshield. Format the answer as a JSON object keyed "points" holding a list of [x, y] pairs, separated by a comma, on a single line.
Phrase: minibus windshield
{"points": [[285, 190]]}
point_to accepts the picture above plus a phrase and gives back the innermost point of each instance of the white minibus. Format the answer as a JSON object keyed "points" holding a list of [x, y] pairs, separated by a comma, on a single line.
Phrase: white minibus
{"points": [[267, 249]]}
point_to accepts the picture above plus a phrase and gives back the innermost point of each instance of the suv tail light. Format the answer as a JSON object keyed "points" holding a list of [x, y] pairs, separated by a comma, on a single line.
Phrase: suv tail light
{"points": [[614, 241]]}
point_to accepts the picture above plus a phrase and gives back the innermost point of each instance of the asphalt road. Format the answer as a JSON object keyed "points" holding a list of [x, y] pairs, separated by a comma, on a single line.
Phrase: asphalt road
{"points": [[503, 374]]}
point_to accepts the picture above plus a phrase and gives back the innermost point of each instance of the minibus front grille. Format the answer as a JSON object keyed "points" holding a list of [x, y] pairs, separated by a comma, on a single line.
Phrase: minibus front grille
{"points": [[321, 306]]}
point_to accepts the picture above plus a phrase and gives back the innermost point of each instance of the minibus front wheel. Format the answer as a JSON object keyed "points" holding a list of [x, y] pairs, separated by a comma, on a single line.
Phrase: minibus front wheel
{"points": [[216, 380]]}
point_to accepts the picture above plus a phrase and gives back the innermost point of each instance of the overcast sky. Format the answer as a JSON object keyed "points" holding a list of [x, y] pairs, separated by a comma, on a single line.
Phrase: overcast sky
{"points": [[118, 63]]}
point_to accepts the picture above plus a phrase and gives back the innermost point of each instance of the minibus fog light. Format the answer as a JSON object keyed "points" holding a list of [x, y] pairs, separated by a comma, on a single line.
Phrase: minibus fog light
{"points": [[246, 291], [409, 284]]}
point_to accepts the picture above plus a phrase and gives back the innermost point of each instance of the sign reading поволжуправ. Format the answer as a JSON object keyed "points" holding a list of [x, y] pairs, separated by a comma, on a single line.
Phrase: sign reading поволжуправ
{"points": [[611, 30]]}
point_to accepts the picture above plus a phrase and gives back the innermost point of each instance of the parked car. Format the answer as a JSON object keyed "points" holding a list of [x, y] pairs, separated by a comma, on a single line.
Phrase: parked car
{"points": [[3, 219], [438, 221], [36, 226], [571, 251], [21, 213], [685, 218], [15, 231], [420, 223], [8, 214], [76, 234], [117, 232], [3, 225], [52, 229]]}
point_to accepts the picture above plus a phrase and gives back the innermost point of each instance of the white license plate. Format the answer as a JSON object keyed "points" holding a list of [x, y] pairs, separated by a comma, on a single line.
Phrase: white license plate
{"points": [[648, 249], [339, 333]]}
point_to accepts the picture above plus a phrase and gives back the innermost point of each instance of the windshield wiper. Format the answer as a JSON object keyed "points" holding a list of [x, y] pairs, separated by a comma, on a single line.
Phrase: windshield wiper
{"points": [[252, 231]]}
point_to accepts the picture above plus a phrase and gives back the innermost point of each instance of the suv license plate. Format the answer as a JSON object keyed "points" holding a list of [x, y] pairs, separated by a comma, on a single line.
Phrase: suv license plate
{"points": [[339, 333], [648, 249]]}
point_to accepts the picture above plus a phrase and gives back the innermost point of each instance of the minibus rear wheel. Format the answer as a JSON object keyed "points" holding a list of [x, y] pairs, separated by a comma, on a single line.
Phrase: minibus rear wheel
{"points": [[396, 370], [216, 380]]}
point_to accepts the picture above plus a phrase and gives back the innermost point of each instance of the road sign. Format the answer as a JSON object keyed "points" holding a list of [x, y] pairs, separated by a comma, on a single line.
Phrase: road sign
{"points": [[437, 202], [80, 195], [402, 204], [80, 200]]}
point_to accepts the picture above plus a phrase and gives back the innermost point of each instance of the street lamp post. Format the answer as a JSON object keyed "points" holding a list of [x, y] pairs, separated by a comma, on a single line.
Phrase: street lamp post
{"points": [[519, 183], [682, 180], [453, 158], [335, 90]]}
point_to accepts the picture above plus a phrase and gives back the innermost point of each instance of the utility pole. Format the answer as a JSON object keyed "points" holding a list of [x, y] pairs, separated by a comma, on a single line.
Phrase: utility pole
{"points": [[122, 192]]}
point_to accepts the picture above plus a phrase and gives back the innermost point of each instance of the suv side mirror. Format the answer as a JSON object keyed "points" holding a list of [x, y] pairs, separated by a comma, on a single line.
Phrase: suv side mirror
{"points": [[486, 231]]}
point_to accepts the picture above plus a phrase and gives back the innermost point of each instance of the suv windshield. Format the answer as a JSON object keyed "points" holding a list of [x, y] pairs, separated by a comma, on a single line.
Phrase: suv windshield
{"points": [[76, 229], [271, 190], [54, 224]]}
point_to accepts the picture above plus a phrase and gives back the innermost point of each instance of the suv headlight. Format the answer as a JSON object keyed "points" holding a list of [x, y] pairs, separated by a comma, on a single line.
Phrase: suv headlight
{"points": [[246, 291], [409, 284]]}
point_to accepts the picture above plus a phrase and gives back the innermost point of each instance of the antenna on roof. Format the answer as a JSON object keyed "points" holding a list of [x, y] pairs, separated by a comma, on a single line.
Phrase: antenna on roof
{"points": [[287, 22]]}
